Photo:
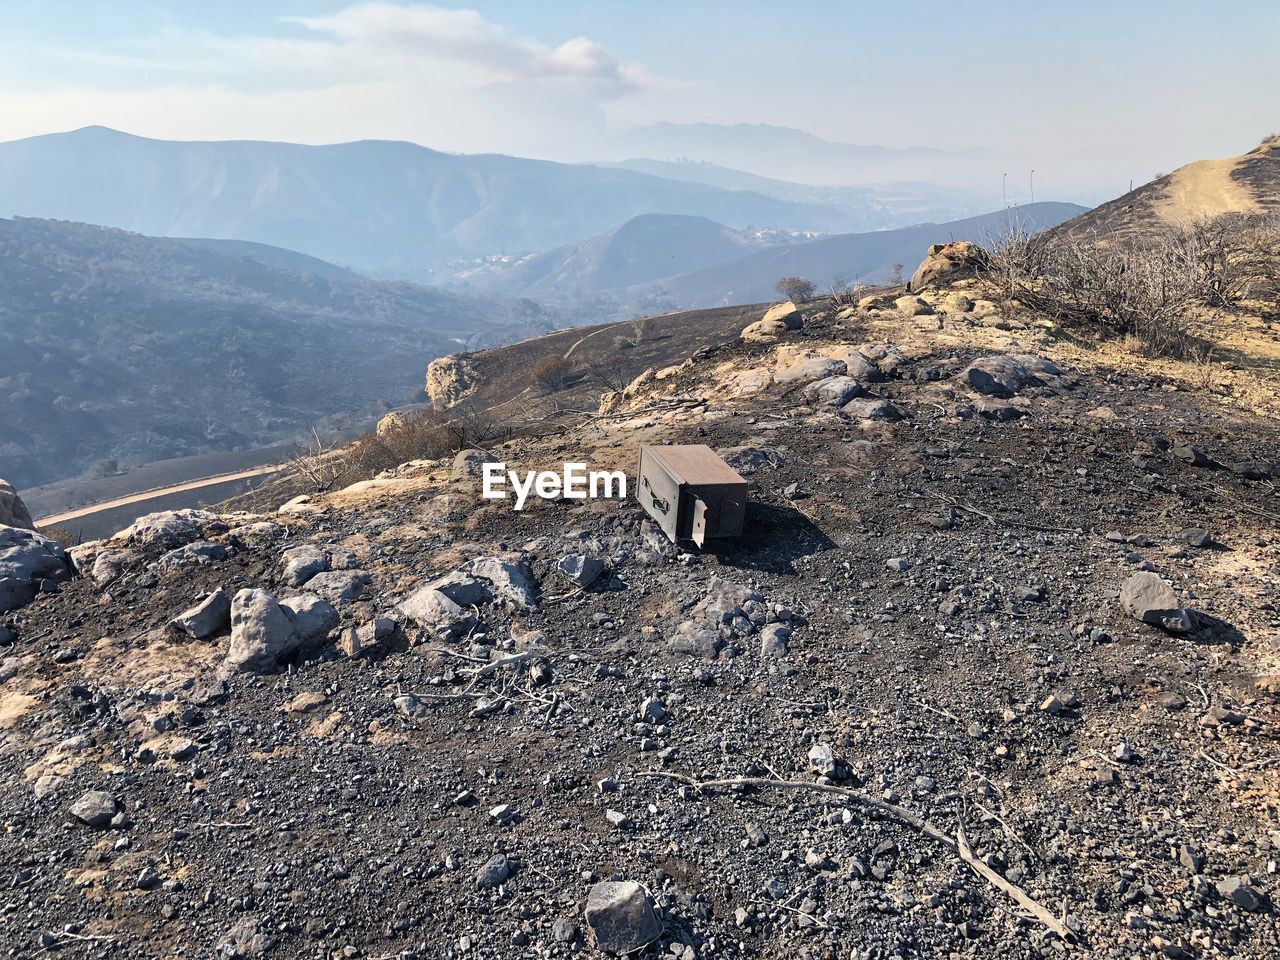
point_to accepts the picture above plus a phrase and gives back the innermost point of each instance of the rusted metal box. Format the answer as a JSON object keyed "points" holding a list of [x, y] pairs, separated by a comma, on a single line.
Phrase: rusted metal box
{"points": [[691, 492]]}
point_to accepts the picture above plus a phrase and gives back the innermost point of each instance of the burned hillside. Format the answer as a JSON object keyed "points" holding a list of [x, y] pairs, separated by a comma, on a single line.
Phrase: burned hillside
{"points": [[992, 670]]}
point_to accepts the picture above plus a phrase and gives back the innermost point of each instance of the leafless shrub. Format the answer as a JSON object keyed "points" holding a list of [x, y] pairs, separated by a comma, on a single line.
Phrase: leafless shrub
{"points": [[60, 534], [320, 464], [1142, 289], [844, 292], [551, 373], [796, 289]]}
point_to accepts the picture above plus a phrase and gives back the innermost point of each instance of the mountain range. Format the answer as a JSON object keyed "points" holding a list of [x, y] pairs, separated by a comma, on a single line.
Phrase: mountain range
{"points": [[666, 262], [388, 209]]}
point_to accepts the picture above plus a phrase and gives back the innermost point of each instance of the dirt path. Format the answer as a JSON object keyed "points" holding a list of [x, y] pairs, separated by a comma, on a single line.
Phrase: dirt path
{"points": [[154, 494]]}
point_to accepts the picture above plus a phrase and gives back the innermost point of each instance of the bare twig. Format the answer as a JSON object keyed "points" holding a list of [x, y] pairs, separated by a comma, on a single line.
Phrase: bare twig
{"points": [[958, 845]]}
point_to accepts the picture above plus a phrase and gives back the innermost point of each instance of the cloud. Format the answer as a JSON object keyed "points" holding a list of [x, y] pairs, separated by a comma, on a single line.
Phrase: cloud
{"points": [[405, 34]]}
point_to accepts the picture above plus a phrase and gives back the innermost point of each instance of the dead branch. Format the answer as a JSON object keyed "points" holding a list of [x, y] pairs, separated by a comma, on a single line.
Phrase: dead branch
{"points": [[958, 845]]}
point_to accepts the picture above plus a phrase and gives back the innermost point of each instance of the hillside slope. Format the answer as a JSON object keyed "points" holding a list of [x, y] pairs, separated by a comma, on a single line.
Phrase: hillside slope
{"points": [[1206, 188], [120, 346], [387, 208], [644, 249], [905, 714], [864, 257]]}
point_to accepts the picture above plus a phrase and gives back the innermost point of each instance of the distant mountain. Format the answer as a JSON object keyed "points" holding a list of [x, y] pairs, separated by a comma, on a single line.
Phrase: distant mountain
{"points": [[790, 154], [120, 346], [644, 249], [862, 257], [1206, 188], [386, 208], [872, 206]]}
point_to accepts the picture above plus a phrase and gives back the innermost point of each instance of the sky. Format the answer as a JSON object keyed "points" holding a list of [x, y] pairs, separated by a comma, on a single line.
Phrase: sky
{"points": [[1120, 89]]}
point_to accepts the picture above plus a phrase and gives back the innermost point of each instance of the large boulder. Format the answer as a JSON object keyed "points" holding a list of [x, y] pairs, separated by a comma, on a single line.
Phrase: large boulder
{"points": [[27, 561], [946, 262], [806, 369], [13, 512], [764, 331], [912, 306], [1146, 597], [511, 580], [788, 313], [450, 380], [169, 528], [620, 916], [261, 633], [1004, 375], [469, 464]]}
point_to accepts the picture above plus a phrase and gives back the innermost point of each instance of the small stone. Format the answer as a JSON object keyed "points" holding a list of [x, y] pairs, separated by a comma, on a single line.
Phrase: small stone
{"points": [[503, 813], [899, 564], [1239, 892], [822, 759], [756, 835], [618, 819], [620, 917], [580, 569], [495, 872], [564, 930], [94, 808]]}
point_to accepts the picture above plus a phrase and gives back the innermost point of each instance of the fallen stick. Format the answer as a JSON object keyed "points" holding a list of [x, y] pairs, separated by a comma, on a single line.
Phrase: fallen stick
{"points": [[495, 665], [958, 845]]}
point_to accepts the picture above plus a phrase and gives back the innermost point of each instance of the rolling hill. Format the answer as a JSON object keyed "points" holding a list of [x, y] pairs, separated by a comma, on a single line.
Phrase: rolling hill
{"points": [[869, 206], [390, 209], [1205, 188], [644, 249], [120, 346], [654, 264], [860, 257]]}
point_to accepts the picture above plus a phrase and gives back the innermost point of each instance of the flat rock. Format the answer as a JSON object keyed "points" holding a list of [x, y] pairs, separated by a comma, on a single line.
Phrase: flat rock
{"points": [[580, 569], [871, 410], [303, 562], [620, 917], [312, 616], [1147, 597], [209, 616], [94, 808], [787, 313], [833, 391]]}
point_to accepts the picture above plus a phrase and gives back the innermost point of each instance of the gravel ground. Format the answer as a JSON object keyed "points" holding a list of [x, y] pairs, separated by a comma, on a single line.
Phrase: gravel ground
{"points": [[923, 613]]}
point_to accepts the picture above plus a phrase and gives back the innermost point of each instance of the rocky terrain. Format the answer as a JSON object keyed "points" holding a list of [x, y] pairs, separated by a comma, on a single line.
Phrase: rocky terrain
{"points": [[992, 672]]}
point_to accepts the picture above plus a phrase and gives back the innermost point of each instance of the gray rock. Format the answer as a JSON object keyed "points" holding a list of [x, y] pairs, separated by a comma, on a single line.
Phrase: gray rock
{"points": [[26, 559], [312, 616], [898, 564], [1004, 375], [1239, 892], [243, 941], [580, 569], [261, 632], [302, 563], [773, 640], [433, 610], [469, 464], [809, 368], [169, 528], [94, 808], [209, 616], [339, 586], [1146, 597], [833, 391], [653, 711], [111, 565], [564, 930], [620, 917], [512, 580], [822, 759], [355, 641], [494, 872], [13, 512], [193, 554], [871, 410]]}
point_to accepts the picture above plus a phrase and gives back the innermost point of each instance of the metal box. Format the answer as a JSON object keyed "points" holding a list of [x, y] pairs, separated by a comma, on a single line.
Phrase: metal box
{"points": [[690, 492]]}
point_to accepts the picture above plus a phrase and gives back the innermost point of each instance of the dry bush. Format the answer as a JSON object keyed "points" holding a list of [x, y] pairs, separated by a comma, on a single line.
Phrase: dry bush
{"points": [[551, 373], [1145, 289], [319, 464], [843, 292], [796, 289], [60, 534], [421, 435]]}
